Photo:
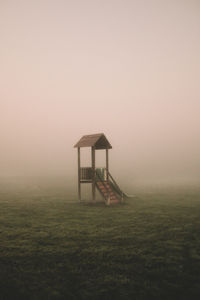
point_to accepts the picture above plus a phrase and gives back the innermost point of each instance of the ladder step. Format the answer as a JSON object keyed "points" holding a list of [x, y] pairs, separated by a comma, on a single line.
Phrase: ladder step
{"points": [[106, 190], [114, 201]]}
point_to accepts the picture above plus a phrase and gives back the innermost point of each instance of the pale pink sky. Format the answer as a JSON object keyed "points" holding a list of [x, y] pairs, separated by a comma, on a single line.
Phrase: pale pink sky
{"points": [[130, 69]]}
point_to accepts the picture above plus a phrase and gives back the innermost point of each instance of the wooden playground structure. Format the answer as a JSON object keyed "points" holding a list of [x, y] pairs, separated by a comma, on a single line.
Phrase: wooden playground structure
{"points": [[100, 178]]}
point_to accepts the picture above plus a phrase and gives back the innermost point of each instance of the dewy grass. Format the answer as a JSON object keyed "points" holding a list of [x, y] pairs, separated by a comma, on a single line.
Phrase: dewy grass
{"points": [[52, 247]]}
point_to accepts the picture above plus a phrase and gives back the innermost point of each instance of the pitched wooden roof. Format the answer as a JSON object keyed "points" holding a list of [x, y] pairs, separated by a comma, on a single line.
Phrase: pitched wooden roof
{"points": [[99, 141]]}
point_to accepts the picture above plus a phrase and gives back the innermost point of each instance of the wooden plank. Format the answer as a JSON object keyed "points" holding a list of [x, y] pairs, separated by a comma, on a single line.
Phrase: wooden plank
{"points": [[107, 165], [93, 174], [79, 174], [86, 181]]}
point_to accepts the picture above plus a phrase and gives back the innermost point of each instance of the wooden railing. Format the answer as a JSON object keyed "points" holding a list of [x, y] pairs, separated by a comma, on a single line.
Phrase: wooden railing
{"points": [[86, 174], [116, 186], [103, 175]]}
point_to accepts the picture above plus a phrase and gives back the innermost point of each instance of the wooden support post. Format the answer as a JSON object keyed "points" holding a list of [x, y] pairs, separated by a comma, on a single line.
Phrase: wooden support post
{"points": [[79, 175], [122, 197], [107, 165], [108, 201], [93, 175]]}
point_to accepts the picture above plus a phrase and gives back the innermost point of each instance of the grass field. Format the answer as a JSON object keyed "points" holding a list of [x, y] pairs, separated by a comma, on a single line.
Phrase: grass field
{"points": [[51, 247]]}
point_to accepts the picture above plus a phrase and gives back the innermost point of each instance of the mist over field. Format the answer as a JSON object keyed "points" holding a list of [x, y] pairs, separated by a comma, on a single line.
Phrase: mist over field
{"points": [[129, 69]]}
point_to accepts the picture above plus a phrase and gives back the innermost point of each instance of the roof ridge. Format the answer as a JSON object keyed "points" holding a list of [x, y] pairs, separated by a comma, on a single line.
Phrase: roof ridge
{"points": [[91, 140]]}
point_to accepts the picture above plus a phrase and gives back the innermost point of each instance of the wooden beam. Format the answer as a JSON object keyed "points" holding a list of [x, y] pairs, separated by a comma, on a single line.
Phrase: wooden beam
{"points": [[93, 174], [79, 174], [107, 164]]}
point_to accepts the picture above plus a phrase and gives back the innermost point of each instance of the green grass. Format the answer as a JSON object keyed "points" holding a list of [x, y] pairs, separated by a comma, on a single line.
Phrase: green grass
{"points": [[52, 248]]}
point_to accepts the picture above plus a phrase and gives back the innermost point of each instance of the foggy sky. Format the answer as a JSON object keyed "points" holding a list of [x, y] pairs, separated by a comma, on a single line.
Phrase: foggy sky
{"points": [[130, 69]]}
